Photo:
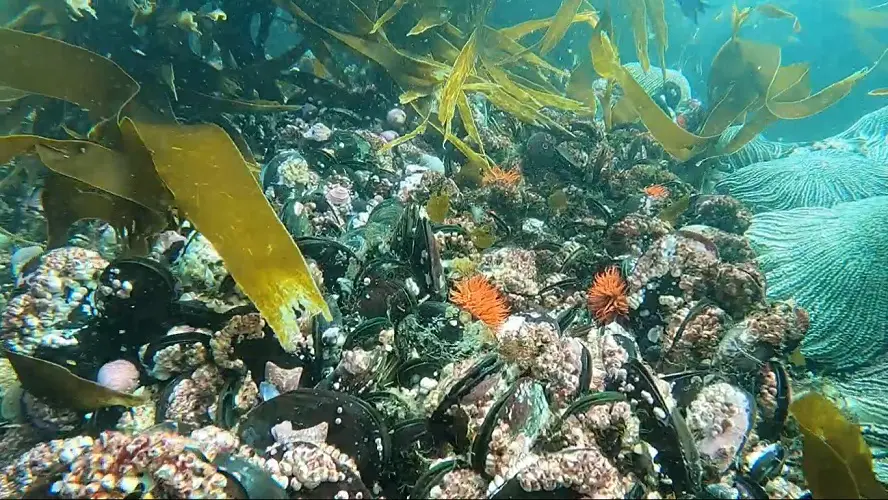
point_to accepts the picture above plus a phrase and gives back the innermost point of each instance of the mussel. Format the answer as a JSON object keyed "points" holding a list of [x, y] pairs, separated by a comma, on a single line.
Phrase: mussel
{"points": [[355, 427]]}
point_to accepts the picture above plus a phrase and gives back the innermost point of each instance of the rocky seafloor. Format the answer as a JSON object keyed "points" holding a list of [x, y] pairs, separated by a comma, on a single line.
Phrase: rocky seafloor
{"points": [[577, 322]]}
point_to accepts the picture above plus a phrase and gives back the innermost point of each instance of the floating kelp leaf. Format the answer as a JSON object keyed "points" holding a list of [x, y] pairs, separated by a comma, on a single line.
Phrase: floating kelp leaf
{"points": [[10, 95], [638, 18], [656, 12], [878, 92], [256, 481], [453, 88], [95, 165], [500, 48], [387, 16], [431, 17], [675, 140], [821, 100], [61, 387], [580, 86], [214, 187], [775, 12], [560, 23], [836, 460], [521, 30], [408, 72], [437, 208], [41, 65], [741, 74], [468, 120], [66, 201]]}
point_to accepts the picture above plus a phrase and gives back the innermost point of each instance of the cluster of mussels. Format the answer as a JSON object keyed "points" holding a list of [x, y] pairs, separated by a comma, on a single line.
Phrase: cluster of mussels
{"points": [[155, 377]]}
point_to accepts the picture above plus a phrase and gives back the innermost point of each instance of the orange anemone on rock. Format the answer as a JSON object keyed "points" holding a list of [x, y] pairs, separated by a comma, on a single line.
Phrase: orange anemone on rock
{"points": [[607, 296], [657, 191], [477, 296], [501, 176]]}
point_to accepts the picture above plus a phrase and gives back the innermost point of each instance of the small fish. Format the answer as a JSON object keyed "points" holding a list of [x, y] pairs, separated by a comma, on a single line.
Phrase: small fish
{"points": [[692, 8], [879, 92]]}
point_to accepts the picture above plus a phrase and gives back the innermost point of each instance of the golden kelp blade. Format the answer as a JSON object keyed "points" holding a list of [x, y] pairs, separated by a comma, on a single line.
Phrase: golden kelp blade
{"points": [[675, 140], [495, 40], [739, 18], [835, 458], [93, 164], [775, 12], [638, 17], [410, 73], [790, 84], [406, 137], [580, 86], [656, 12], [878, 92], [212, 185], [62, 388], [388, 15], [464, 64], [92, 82], [741, 74], [521, 30], [9, 95], [561, 22], [431, 18], [468, 120], [821, 100]]}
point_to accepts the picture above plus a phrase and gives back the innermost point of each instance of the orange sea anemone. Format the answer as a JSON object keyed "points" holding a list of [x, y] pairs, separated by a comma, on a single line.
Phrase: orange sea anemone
{"points": [[477, 296], [501, 176], [607, 296], [657, 191]]}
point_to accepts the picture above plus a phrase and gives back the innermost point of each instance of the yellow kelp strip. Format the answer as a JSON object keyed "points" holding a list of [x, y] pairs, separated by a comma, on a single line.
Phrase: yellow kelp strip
{"points": [[836, 460], [775, 12], [41, 65], [560, 24], [638, 18], [816, 103], [432, 17], [791, 83], [453, 88], [581, 87], [656, 12], [62, 388], [521, 30], [410, 73], [675, 140], [211, 183], [93, 164], [468, 120], [387, 16]]}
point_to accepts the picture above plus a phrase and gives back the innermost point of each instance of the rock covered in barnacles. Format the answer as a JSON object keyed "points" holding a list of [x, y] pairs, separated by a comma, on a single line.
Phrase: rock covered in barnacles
{"points": [[720, 418], [700, 337], [199, 269], [51, 292], [634, 233], [722, 212], [116, 465], [586, 471], [460, 483], [686, 261], [178, 357], [613, 427], [238, 329], [608, 357], [774, 330], [514, 272], [190, 400]]}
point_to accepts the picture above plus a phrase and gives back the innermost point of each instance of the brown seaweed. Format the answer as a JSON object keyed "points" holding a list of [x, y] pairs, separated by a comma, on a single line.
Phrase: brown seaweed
{"points": [[61, 387]]}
